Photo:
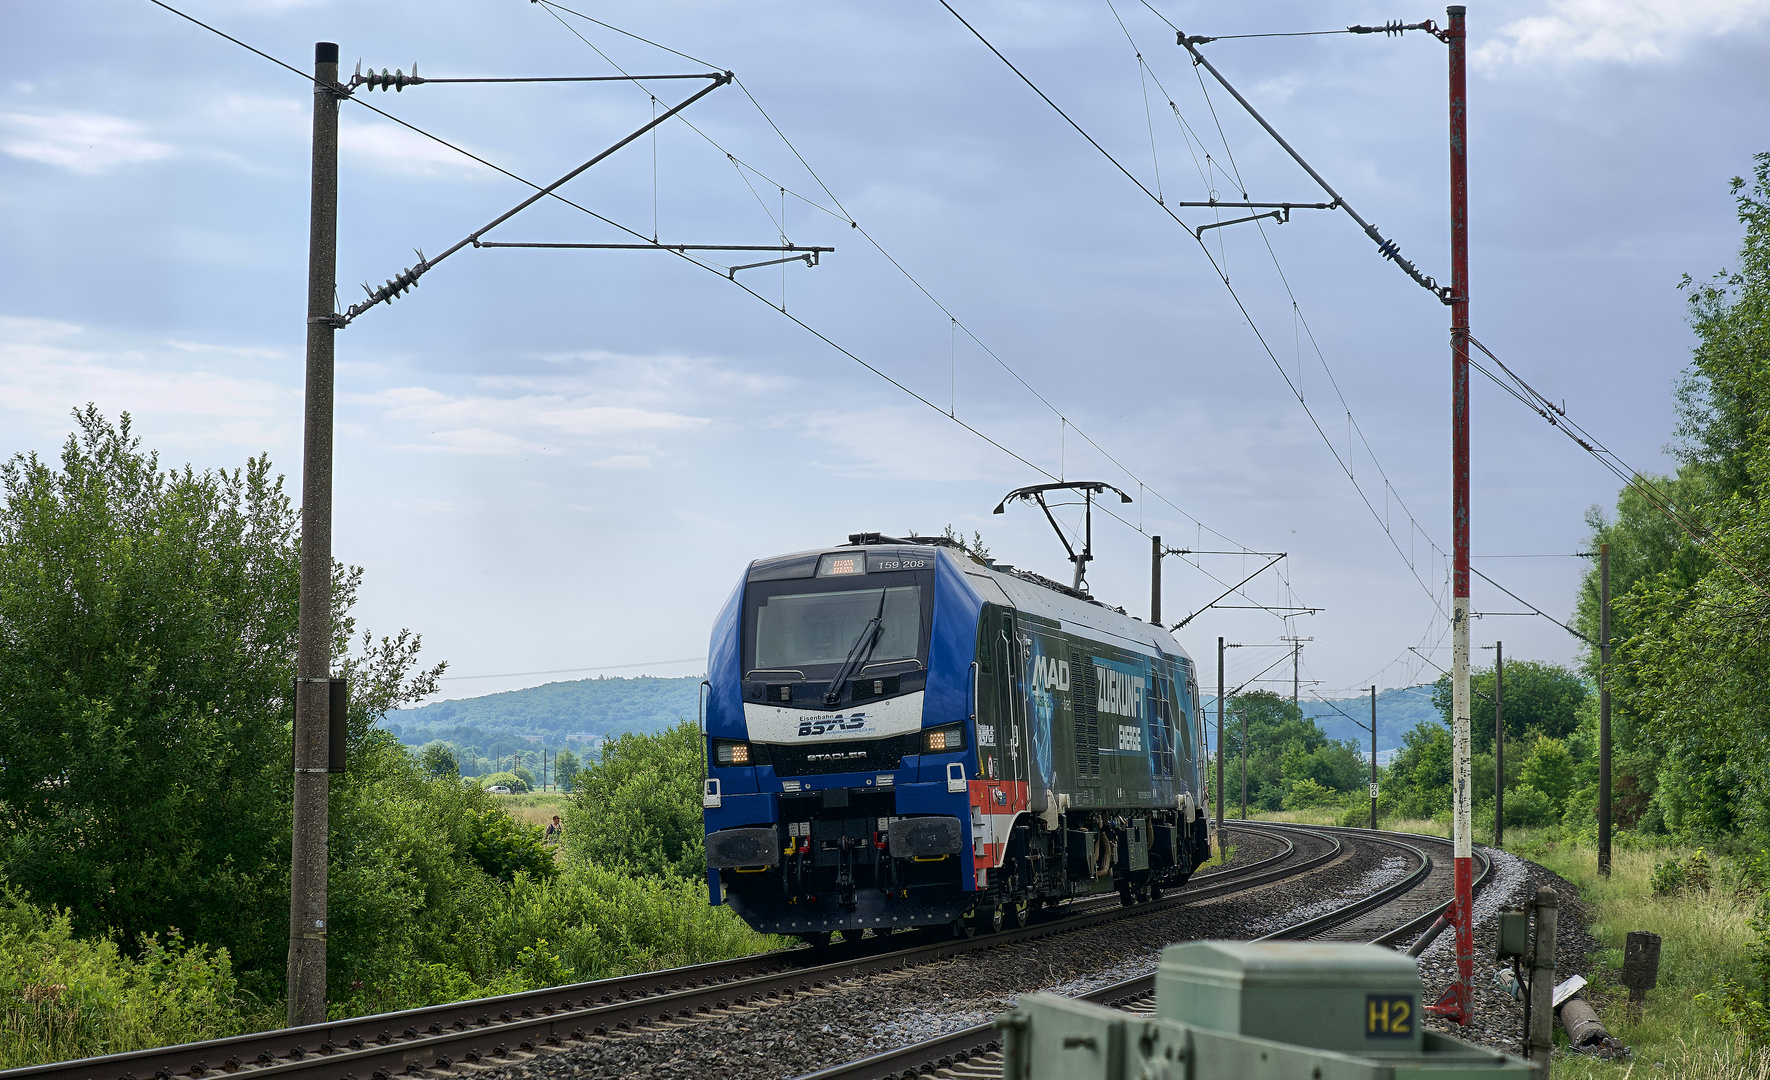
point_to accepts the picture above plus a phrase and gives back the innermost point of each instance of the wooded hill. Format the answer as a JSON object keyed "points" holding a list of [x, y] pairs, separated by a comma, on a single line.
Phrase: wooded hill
{"points": [[589, 709]]}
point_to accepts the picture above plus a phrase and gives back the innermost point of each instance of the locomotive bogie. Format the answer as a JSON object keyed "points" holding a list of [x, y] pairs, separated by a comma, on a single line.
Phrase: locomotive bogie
{"points": [[899, 736]]}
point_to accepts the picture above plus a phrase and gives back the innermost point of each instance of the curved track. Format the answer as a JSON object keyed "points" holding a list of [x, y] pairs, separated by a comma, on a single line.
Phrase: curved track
{"points": [[504, 1029], [1411, 903]]}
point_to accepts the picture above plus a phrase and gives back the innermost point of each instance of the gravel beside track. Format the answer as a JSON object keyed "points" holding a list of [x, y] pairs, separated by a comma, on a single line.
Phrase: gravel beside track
{"points": [[1499, 1020]]}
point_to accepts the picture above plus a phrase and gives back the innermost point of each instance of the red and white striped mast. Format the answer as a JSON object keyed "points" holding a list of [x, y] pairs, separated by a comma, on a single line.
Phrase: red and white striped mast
{"points": [[1458, 1004]]}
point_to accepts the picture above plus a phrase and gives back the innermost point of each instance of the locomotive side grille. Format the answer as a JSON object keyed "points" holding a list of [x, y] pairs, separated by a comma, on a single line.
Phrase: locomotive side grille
{"points": [[1084, 699], [859, 755]]}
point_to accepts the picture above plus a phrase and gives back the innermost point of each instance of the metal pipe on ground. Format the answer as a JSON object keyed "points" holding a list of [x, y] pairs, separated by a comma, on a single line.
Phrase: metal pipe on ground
{"points": [[1431, 934]]}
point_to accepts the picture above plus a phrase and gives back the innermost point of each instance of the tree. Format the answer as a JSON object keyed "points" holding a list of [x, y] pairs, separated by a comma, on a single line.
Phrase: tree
{"points": [[1420, 774], [438, 759], [1284, 747], [1549, 769], [1541, 699], [568, 765], [147, 643], [638, 807], [507, 779], [1693, 615]]}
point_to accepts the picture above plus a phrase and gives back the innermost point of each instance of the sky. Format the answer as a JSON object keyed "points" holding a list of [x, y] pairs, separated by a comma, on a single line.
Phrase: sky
{"points": [[556, 463]]}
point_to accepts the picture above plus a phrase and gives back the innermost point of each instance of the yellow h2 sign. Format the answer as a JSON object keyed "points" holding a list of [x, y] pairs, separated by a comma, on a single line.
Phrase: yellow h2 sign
{"points": [[1388, 1016]]}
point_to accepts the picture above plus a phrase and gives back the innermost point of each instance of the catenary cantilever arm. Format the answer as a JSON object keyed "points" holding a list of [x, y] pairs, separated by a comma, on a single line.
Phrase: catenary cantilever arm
{"points": [[1385, 247]]}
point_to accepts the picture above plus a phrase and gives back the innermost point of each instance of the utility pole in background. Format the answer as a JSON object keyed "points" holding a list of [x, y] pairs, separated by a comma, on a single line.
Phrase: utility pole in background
{"points": [[1155, 581], [1219, 744], [313, 657], [1296, 666], [1458, 1002], [1499, 744], [1373, 758], [1604, 709]]}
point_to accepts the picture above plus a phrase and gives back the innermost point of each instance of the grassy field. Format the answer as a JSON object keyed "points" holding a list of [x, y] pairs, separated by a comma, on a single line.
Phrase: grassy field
{"points": [[535, 808], [1705, 937]]}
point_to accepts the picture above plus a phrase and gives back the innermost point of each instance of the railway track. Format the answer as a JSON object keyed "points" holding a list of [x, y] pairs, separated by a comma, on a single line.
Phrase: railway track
{"points": [[504, 1030], [974, 1053]]}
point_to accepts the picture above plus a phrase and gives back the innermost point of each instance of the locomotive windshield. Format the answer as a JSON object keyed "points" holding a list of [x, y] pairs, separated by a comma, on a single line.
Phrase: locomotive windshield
{"points": [[814, 625], [809, 629]]}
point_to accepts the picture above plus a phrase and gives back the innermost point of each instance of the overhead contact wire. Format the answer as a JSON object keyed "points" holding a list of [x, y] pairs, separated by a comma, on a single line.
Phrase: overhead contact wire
{"points": [[844, 215]]}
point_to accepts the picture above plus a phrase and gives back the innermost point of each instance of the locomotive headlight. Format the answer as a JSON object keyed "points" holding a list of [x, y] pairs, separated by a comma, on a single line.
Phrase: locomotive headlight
{"points": [[943, 739], [732, 753]]}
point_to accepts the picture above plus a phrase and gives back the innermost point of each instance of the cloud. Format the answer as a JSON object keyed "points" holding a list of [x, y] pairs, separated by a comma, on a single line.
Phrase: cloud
{"points": [[1630, 31], [391, 149], [81, 142], [49, 367], [527, 424], [623, 461]]}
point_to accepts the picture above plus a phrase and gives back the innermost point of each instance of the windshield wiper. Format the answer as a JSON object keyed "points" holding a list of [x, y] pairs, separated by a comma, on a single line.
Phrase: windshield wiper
{"points": [[858, 654]]}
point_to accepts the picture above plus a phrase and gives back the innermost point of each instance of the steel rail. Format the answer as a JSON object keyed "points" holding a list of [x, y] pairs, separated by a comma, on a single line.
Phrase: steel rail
{"points": [[979, 1041], [370, 1047]]}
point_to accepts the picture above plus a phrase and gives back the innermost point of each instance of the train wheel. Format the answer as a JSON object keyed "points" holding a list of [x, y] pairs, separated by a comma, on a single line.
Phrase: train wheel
{"points": [[1155, 891], [1126, 896], [1014, 914], [964, 928]]}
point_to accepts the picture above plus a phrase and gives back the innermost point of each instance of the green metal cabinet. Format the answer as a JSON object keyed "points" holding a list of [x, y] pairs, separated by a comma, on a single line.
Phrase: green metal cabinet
{"points": [[1360, 999], [1246, 1011]]}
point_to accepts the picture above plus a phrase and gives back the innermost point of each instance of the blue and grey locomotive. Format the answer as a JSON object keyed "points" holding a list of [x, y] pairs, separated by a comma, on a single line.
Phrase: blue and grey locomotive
{"points": [[900, 735]]}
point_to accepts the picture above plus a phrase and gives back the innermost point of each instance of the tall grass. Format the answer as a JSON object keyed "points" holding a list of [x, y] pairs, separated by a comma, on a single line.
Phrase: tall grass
{"points": [[65, 997], [1704, 937]]}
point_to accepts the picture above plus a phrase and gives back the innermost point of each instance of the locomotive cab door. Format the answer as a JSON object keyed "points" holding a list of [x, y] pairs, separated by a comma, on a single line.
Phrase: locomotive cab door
{"points": [[1014, 737]]}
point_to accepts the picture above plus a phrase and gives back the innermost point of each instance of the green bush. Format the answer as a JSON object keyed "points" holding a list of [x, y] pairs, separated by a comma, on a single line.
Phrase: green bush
{"points": [[1527, 807], [638, 806], [1549, 768], [66, 997], [516, 784], [1668, 877], [1305, 794], [1357, 814], [504, 847], [1697, 871], [601, 922]]}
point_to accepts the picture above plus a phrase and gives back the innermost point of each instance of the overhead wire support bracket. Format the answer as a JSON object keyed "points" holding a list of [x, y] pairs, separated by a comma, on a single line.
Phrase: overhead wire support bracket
{"points": [[659, 246], [1226, 592], [408, 278], [1280, 216], [1191, 551], [809, 255], [398, 80], [1387, 248], [809, 259], [1261, 205]]}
